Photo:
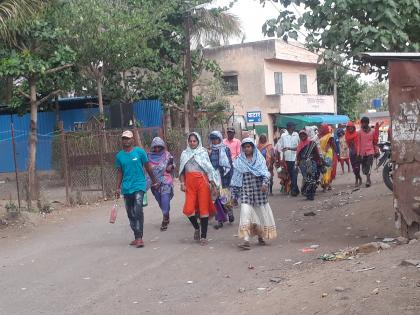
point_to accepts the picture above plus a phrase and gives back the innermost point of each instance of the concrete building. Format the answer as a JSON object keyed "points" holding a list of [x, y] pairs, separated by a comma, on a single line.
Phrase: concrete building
{"points": [[269, 78]]}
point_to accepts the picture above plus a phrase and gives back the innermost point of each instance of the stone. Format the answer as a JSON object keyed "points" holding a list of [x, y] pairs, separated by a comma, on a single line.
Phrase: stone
{"points": [[276, 279], [324, 295], [410, 262], [384, 245], [368, 248], [339, 289], [309, 214], [241, 290], [413, 241], [401, 240], [417, 235], [375, 291]]}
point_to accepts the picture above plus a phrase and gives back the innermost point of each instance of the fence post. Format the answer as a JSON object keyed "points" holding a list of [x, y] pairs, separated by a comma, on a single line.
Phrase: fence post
{"points": [[15, 162], [64, 159], [102, 142]]}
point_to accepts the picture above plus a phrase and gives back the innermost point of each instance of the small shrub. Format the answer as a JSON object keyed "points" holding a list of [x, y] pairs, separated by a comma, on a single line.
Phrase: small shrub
{"points": [[12, 209]]}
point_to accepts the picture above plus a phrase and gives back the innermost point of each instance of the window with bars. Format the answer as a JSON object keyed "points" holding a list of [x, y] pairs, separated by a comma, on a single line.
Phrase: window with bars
{"points": [[278, 82], [230, 84], [303, 83]]}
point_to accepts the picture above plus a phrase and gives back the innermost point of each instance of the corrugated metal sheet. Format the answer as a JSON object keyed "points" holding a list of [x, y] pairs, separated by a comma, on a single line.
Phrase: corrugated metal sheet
{"points": [[149, 113]]}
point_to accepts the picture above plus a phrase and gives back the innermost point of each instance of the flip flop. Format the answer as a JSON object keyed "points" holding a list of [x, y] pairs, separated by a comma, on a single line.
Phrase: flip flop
{"points": [[245, 246]]}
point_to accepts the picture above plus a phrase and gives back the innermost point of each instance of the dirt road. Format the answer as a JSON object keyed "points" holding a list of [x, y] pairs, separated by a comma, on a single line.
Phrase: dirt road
{"points": [[77, 263]]}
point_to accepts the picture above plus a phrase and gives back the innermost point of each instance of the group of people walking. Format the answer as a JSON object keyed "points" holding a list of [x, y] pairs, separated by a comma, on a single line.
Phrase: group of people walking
{"points": [[214, 179], [230, 171]]}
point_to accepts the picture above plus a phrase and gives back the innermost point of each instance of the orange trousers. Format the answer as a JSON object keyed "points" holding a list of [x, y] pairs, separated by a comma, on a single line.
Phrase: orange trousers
{"points": [[198, 196]]}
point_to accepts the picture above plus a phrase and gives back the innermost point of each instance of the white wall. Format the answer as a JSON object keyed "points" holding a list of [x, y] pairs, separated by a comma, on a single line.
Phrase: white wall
{"points": [[291, 76]]}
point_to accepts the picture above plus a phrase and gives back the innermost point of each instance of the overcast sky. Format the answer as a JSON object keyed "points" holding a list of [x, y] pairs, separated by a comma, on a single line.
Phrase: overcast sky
{"points": [[252, 15]]}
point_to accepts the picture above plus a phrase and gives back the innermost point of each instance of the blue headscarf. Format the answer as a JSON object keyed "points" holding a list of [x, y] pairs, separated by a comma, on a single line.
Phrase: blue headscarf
{"points": [[242, 165], [221, 147]]}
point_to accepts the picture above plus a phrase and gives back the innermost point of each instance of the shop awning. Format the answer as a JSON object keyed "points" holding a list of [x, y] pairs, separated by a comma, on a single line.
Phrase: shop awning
{"points": [[310, 120]]}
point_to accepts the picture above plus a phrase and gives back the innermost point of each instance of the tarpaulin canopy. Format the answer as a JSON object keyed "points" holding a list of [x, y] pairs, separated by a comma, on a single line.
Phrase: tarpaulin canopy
{"points": [[309, 120]]}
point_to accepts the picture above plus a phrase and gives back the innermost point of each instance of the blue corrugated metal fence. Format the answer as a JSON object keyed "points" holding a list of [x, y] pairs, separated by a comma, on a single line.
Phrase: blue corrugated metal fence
{"points": [[149, 113]]}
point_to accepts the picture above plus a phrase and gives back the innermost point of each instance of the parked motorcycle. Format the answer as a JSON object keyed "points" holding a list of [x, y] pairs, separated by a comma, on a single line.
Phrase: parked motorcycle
{"points": [[385, 161]]}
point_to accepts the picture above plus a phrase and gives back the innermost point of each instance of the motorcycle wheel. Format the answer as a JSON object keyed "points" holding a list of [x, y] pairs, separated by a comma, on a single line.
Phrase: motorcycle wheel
{"points": [[387, 176]]}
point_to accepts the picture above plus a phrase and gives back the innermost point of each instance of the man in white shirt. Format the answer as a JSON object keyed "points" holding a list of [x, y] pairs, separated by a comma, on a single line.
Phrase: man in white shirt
{"points": [[286, 150]]}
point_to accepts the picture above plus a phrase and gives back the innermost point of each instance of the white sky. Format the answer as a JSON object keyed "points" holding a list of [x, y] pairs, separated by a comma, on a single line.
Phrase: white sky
{"points": [[253, 15]]}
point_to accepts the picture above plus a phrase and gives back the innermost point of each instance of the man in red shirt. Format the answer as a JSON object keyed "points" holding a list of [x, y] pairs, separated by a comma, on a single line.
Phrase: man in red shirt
{"points": [[232, 143], [368, 139]]}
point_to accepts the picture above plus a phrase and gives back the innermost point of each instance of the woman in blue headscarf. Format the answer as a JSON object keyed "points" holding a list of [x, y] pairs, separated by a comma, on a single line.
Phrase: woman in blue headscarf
{"points": [[162, 164], [221, 159], [250, 182]]}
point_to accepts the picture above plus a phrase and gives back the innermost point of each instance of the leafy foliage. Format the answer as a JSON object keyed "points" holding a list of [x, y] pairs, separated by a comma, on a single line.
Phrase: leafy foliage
{"points": [[350, 27], [371, 91], [349, 90]]}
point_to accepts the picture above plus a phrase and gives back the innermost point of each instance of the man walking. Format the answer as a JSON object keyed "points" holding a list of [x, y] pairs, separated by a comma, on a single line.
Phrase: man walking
{"points": [[368, 138], [286, 150], [131, 182], [232, 143]]}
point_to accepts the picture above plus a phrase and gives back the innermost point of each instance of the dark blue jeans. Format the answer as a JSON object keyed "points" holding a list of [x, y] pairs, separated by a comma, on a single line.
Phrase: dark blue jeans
{"points": [[134, 207], [294, 190]]}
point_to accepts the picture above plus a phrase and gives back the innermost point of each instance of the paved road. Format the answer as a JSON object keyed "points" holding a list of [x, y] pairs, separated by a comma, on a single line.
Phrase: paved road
{"points": [[81, 264]]}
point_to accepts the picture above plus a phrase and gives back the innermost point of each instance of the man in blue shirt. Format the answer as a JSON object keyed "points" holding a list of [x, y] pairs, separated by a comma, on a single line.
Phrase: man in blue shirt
{"points": [[131, 182]]}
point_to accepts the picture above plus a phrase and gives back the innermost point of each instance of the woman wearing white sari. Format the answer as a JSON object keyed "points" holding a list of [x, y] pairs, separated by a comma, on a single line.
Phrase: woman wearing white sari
{"points": [[250, 184]]}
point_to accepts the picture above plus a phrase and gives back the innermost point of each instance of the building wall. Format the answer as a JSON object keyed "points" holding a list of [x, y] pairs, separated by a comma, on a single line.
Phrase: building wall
{"points": [[255, 64], [291, 79]]}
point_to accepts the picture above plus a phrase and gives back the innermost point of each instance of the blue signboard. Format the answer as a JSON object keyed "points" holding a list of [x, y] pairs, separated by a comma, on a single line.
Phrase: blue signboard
{"points": [[377, 103], [253, 117]]}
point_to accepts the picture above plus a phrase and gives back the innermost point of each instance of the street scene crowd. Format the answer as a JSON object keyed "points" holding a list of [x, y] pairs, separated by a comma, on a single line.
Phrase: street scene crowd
{"points": [[230, 172]]}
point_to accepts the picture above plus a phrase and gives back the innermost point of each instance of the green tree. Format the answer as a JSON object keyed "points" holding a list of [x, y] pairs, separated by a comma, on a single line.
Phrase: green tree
{"points": [[110, 37], [371, 91], [16, 12], [350, 27], [349, 90], [37, 54]]}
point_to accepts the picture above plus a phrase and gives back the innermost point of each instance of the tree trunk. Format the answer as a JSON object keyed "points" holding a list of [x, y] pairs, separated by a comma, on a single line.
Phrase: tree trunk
{"points": [[33, 140], [168, 120], [100, 97], [186, 116], [188, 67]]}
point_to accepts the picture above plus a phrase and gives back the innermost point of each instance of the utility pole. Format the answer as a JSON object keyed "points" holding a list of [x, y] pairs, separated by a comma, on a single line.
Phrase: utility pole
{"points": [[335, 89], [188, 104]]}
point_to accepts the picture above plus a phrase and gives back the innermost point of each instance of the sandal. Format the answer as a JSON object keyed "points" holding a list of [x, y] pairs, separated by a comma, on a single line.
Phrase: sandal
{"points": [[245, 246], [219, 225], [197, 235], [204, 242], [164, 225], [261, 241]]}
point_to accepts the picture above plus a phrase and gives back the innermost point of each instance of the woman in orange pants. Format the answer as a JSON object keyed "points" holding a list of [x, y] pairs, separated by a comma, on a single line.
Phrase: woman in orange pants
{"points": [[198, 179]]}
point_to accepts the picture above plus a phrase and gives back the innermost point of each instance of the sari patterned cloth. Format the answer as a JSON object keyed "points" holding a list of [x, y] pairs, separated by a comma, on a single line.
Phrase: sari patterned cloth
{"points": [[221, 159], [159, 161], [256, 218], [328, 155]]}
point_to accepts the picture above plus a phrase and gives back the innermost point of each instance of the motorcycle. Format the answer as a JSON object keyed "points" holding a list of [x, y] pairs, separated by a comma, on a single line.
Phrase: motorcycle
{"points": [[385, 161]]}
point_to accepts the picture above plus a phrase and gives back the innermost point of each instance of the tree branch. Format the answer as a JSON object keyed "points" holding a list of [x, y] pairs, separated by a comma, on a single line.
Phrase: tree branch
{"points": [[24, 94], [56, 69], [177, 108], [46, 98]]}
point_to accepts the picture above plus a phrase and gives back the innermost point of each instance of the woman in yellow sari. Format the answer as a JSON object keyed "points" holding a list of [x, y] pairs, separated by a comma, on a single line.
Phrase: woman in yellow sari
{"points": [[327, 145]]}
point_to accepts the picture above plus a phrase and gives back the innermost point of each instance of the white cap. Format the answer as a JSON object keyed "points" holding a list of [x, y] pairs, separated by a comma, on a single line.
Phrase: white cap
{"points": [[127, 134]]}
